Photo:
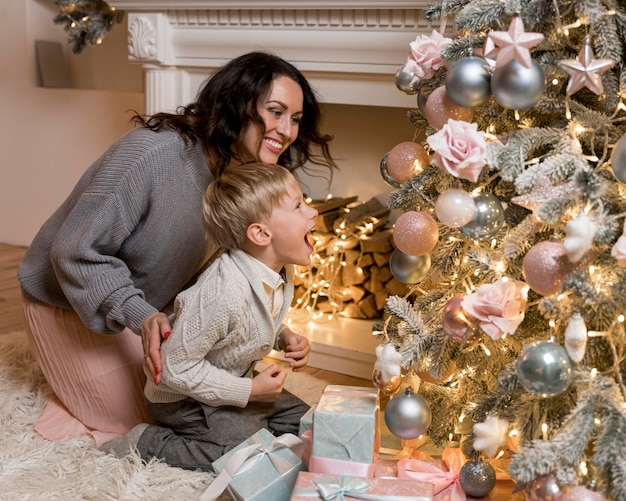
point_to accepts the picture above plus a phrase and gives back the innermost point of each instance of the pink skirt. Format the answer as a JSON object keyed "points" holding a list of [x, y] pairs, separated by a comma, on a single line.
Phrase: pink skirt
{"points": [[97, 380]]}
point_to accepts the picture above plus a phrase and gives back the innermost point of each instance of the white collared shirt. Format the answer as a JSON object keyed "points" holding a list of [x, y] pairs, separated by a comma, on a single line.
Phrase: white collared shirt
{"points": [[273, 284]]}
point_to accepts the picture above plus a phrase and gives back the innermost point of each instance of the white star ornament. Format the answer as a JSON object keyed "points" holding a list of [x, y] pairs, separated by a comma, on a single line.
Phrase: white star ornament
{"points": [[514, 44], [585, 70]]}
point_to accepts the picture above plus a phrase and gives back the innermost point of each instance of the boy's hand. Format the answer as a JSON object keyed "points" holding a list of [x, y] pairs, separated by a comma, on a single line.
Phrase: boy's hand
{"points": [[297, 348], [268, 384]]}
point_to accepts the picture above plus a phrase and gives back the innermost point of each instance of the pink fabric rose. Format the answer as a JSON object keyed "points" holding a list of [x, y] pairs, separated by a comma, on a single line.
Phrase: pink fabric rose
{"points": [[426, 55], [619, 249], [498, 306], [460, 149]]}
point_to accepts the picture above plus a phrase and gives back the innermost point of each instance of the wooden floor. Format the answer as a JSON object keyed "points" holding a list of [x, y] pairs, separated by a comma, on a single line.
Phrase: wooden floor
{"points": [[11, 318]]}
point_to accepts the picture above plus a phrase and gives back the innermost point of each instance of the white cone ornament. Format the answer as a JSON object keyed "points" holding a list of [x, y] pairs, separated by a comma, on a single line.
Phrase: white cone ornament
{"points": [[618, 160], [576, 338], [490, 435], [579, 233]]}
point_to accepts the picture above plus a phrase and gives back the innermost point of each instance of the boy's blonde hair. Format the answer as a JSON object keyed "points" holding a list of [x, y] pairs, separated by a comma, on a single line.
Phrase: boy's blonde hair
{"points": [[241, 195]]}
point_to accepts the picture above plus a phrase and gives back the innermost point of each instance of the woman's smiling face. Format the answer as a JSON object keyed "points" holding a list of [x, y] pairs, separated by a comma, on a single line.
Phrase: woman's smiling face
{"points": [[281, 112]]}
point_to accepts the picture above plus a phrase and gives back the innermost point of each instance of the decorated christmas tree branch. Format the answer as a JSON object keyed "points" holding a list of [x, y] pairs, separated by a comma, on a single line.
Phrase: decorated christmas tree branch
{"points": [[86, 21]]}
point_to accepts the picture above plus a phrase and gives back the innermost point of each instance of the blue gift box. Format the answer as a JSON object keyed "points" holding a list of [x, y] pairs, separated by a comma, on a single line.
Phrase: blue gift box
{"points": [[263, 468], [346, 424], [306, 421]]}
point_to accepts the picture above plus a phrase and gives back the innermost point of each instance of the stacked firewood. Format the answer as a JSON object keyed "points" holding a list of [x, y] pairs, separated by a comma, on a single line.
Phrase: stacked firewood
{"points": [[349, 273]]}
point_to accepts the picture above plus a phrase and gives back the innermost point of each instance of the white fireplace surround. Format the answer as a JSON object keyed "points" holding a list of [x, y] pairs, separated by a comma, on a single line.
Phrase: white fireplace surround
{"points": [[349, 51]]}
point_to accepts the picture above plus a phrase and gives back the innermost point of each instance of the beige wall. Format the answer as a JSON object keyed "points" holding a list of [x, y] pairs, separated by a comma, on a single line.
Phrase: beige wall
{"points": [[48, 137]]}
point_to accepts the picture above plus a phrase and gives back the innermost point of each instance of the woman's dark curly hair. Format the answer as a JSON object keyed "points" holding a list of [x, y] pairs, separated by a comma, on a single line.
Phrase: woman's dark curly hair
{"points": [[227, 104]]}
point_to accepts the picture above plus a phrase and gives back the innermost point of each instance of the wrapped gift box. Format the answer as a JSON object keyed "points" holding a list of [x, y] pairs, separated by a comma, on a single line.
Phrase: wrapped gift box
{"points": [[263, 468], [306, 421], [345, 428], [311, 486], [338, 388], [386, 468]]}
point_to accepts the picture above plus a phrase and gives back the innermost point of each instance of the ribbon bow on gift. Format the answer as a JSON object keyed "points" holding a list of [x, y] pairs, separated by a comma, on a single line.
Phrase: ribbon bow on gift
{"points": [[345, 485], [246, 457], [414, 469]]}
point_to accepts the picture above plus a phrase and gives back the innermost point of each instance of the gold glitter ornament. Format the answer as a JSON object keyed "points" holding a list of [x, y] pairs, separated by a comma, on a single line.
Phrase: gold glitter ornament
{"points": [[439, 108], [544, 267], [405, 160], [415, 233]]}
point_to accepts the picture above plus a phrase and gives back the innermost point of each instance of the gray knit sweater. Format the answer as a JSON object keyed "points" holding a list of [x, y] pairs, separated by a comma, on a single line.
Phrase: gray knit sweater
{"points": [[128, 238], [223, 326]]}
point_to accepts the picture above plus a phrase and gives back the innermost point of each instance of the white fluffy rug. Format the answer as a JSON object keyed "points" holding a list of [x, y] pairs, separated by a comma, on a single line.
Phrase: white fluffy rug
{"points": [[32, 468], [35, 469]]}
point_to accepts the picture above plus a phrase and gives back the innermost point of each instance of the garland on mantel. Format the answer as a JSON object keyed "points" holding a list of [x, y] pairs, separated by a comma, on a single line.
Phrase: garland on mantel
{"points": [[86, 21]]}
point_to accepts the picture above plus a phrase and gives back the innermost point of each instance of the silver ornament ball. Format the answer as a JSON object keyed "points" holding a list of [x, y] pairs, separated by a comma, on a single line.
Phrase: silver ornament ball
{"points": [[407, 82], [618, 160], [477, 478], [422, 97], [488, 220], [384, 173], [408, 269], [516, 87], [468, 82], [544, 368], [407, 415]]}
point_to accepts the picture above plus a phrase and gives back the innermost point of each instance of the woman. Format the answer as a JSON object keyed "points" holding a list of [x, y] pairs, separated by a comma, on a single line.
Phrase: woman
{"points": [[109, 262]]}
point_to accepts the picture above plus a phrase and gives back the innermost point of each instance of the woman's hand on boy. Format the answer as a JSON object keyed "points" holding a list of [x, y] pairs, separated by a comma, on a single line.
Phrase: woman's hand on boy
{"points": [[154, 328]]}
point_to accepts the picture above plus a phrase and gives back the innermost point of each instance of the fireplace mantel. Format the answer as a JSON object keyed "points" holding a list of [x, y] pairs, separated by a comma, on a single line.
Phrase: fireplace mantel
{"points": [[349, 50]]}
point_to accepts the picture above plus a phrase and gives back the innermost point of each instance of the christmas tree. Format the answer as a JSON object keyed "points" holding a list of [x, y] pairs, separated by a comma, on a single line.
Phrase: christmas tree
{"points": [[511, 236]]}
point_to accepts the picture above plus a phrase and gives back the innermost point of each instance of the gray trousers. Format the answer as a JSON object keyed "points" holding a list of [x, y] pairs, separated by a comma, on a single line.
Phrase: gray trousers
{"points": [[191, 435]]}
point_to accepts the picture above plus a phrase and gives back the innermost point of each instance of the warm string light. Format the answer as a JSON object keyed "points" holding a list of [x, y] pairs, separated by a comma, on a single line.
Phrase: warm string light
{"points": [[328, 260]]}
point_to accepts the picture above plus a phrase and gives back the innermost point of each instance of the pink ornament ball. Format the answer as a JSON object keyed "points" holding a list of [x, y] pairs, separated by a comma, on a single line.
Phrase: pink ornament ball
{"points": [[545, 488], [455, 321], [405, 160], [544, 267], [581, 493], [415, 233], [439, 108]]}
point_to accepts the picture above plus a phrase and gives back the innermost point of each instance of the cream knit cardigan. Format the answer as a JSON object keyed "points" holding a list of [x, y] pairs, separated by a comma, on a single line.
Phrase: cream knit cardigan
{"points": [[223, 326]]}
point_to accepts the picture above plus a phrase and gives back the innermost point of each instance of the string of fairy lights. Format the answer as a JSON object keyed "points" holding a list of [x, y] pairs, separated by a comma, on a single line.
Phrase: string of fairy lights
{"points": [[323, 296]]}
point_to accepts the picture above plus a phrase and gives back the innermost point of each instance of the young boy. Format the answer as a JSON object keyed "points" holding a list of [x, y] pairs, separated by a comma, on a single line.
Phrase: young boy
{"points": [[208, 400]]}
